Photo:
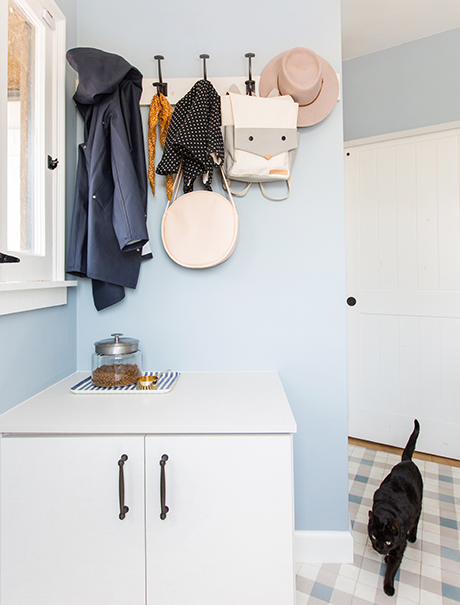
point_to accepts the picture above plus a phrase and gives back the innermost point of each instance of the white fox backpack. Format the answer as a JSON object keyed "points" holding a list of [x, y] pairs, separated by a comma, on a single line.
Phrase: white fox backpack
{"points": [[260, 140]]}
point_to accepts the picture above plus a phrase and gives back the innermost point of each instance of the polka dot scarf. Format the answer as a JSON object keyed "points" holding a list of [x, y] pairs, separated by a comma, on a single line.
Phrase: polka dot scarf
{"points": [[160, 111], [194, 136]]}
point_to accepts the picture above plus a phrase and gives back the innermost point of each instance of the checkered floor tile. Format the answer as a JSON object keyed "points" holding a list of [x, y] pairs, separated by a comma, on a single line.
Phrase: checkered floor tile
{"points": [[430, 570]]}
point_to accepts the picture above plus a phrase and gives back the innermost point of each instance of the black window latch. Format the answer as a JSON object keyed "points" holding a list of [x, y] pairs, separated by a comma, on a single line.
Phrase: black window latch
{"points": [[52, 164], [7, 258]]}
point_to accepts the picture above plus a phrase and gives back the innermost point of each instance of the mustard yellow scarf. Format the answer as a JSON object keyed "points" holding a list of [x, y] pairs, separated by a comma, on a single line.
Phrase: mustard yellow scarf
{"points": [[160, 109]]}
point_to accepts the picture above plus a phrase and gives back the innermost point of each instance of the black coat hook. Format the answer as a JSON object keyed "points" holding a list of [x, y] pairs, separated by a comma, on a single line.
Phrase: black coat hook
{"points": [[204, 57], [250, 83], [161, 86]]}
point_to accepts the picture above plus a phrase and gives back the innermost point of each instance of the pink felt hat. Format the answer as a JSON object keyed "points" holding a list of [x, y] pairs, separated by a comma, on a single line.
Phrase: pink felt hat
{"points": [[307, 78]]}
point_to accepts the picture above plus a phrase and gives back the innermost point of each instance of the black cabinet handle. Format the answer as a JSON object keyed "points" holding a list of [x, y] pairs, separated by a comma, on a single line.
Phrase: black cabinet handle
{"points": [[164, 508], [351, 301], [121, 487]]}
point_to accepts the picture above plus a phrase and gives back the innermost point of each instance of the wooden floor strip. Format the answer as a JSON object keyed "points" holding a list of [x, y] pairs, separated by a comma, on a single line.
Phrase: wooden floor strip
{"points": [[397, 450]]}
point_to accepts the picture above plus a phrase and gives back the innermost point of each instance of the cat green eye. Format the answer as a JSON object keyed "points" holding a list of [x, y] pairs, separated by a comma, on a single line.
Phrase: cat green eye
{"points": [[373, 537], [388, 542]]}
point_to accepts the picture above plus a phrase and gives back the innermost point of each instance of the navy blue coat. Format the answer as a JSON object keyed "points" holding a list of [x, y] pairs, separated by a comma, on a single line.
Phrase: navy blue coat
{"points": [[109, 216]]}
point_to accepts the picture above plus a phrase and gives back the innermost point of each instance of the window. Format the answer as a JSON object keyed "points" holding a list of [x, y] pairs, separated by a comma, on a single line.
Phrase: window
{"points": [[23, 134], [32, 70]]}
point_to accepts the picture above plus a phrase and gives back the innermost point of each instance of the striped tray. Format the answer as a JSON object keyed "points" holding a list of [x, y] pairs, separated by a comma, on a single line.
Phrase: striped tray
{"points": [[165, 383]]}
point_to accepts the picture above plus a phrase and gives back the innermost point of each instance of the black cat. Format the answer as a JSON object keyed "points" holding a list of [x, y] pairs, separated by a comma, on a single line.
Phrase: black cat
{"points": [[396, 512]]}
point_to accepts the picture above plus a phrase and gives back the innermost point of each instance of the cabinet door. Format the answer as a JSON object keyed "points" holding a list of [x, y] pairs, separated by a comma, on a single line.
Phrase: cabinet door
{"points": [[62, 541], [228, 536]]}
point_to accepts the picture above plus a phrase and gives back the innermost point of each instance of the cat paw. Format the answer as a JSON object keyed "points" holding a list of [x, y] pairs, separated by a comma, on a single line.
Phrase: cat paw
{"points": [[412, 535], [389, 590]]}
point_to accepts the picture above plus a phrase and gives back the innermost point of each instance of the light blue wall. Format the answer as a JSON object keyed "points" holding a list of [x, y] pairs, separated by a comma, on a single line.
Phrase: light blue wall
{"points": [[279, 302], [408, 86], [39, 347], [38, 350]]}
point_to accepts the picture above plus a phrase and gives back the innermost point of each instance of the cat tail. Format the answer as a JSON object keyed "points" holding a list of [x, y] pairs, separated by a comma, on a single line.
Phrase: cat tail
{"points": [[410, 446]]}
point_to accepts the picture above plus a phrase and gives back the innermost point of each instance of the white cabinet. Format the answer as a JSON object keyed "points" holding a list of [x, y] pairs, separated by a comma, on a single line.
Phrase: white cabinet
{"points": [[227, 538]]}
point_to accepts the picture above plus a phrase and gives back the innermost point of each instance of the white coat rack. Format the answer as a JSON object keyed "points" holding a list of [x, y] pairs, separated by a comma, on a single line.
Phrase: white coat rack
{"points": [[178, 87], [175, 88]]}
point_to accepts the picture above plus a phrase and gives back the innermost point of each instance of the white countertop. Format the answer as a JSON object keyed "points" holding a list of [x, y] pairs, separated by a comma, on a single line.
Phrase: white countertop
{"points": [[200, 402]]}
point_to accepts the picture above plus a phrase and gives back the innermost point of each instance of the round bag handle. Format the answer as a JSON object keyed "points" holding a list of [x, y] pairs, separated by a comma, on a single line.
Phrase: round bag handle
{"points": [[177, 181]]}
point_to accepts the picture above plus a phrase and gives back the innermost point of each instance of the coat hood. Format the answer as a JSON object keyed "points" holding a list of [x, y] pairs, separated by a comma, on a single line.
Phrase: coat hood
{"points": [[99, 73]]}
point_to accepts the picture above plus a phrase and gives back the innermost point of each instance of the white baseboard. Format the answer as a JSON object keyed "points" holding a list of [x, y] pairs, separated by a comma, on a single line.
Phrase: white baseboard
{"points": [[323, 547]]}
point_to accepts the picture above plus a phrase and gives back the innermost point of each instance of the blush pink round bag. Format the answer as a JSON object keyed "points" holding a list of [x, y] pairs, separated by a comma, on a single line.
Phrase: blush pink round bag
{"points": [[199, 229]]}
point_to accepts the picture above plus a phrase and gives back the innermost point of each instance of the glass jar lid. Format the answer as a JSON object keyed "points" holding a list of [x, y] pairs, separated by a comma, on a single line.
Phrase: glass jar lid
{"points": [[117, 345]]}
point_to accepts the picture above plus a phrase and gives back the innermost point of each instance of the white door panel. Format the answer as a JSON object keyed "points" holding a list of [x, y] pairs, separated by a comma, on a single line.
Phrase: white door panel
{"points": [[62, 539], [403, 268], [217, 543]]}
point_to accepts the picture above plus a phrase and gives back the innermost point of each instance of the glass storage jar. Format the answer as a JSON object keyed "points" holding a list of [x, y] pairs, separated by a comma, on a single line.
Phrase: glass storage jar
{"points": [[116, 361]]}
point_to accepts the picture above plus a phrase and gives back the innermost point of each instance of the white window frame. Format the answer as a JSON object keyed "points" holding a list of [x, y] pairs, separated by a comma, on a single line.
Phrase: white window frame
{"points": [[16, 295]]}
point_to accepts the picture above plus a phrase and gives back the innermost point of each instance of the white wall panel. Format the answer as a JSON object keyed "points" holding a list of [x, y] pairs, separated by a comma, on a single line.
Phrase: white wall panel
{"points": [[409, 366], [430, 367], [406, 193], [370, 362], [448, 214], [387, 218], [450, 371], [427, 217], [390, 373], [368, 210]]}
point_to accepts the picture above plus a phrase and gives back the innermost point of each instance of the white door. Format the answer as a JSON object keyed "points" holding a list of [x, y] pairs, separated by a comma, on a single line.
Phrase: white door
{"points": [[62, 541], [228, 536], [403, 270]]}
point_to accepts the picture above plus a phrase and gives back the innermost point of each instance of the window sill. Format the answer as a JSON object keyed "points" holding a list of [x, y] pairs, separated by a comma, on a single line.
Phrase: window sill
{"points": [[16, 297]]}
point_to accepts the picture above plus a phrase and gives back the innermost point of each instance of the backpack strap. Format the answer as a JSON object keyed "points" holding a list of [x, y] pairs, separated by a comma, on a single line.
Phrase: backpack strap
{"points": [[241, 193], [279, 199]]}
